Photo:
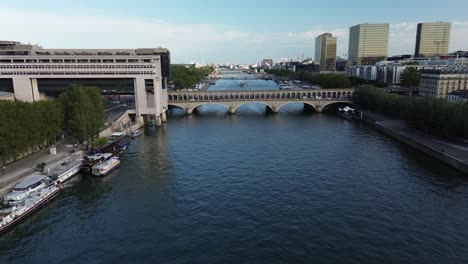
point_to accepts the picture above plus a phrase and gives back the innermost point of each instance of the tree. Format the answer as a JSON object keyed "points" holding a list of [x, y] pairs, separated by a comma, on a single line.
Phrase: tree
{"points": [[30, 125], [185, 77], [434, 116], [410, 77], [83, 109]]}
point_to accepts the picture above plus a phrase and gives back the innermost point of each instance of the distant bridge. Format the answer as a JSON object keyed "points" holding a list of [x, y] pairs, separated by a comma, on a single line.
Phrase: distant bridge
{"points": [[273, 99]]}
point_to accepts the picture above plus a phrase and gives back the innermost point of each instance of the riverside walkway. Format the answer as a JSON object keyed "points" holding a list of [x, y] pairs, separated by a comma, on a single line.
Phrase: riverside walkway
{"points": [[452, 153], [24, 167]]}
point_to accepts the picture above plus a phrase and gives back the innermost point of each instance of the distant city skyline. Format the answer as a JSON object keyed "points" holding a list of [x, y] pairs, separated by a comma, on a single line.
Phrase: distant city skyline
{"points": [[240, 32]]}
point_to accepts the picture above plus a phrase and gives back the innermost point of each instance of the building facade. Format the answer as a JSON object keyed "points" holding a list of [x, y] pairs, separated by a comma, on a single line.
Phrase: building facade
{"points": [[438, 83], [460, 96], [432, 39], [368, 44], [325, 52], [34, 73]]}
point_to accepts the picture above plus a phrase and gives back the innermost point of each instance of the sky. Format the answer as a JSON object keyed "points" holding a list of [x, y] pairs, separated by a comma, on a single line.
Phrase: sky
{"points": [[219, 31]]}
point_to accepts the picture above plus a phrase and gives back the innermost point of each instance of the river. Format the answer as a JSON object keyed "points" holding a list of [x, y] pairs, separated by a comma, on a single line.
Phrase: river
{"points": [[255, 188]]}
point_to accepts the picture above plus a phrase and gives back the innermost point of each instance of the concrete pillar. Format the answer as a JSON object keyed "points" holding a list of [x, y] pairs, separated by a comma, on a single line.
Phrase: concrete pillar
{"points": [[318, 108], [35, 90], [140, 96], [23, 89], [158, 121], [139, 120], [189, 111], [163, 117], [232, 110]]}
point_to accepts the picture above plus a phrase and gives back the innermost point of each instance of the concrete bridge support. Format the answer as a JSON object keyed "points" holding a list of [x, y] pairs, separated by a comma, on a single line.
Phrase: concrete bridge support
{"points": [[271, 110], [158, 121], [189, 111], [163, 117], [232, 110]]}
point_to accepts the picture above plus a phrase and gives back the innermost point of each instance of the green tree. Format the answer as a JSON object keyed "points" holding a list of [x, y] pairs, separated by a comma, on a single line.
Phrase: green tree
{"points": [[83, 109], [434, 116], [29, 126], [410, 77], [185, 77]]}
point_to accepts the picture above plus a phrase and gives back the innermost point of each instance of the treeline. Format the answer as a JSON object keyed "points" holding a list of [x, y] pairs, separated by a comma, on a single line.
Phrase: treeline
{"points": [[434, 116], [83, 109], [185, 77], [325, 81], [26, 127]]}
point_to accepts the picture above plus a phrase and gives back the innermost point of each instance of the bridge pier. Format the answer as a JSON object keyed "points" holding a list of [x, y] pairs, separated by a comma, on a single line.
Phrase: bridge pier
{"points": [[232, 110], [163, 117], [189, 111], [139, 120], [271, 110], [158, 121]]}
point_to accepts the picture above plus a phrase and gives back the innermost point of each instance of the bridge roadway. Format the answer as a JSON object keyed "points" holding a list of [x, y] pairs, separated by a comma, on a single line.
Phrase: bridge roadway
{"points": [[273, 99]]}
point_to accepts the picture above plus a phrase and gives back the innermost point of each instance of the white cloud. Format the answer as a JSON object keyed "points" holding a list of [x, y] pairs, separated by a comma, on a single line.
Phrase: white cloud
{"points": [[189, 42]]}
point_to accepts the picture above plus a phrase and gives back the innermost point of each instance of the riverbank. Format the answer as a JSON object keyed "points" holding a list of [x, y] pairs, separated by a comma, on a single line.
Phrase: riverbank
{"points": [[454, 154], [23, 168]]}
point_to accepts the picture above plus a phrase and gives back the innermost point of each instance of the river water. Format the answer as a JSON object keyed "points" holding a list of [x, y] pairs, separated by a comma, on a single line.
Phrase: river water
{"points": [[255, 188]]}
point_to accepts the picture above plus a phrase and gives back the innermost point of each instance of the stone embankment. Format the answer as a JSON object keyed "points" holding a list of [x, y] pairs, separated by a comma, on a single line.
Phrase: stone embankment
{"points": [[454, 154]]}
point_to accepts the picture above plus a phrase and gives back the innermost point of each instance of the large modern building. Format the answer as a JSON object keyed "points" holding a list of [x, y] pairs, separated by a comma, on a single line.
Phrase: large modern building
{"points": [[432, 39], [438, 83], [325, 52], [34, 73], [368, 44]]}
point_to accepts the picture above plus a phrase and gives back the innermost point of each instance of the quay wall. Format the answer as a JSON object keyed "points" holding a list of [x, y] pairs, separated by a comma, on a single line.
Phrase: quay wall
{"points": [[428, 150], [435, 153]]}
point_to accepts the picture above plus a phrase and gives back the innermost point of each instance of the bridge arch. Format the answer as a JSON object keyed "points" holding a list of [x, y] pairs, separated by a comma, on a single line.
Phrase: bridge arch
{"points": [[301, 102], [271, 108], [175, 106], [338, 104]]}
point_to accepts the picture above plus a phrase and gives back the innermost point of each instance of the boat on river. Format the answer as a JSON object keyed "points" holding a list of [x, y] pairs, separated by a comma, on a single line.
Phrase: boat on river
{"points": [[106, 167], [66, 170], [91, 160], [35, 200], [135, 133], [25, 187]]}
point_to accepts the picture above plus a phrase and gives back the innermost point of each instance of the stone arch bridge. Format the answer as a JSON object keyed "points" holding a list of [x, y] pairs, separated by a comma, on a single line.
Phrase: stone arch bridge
{"points": [[273, 99]]}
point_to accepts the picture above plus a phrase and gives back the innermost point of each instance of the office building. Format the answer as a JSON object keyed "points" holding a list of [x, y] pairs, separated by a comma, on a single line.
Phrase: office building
{"points": [[33, 73], [432, 39], [325, 52], [368, 44]]}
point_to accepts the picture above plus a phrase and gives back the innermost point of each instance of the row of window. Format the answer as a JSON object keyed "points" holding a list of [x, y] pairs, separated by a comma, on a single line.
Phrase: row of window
{"points": [[76, 61], [80, 73], [77, 66]]}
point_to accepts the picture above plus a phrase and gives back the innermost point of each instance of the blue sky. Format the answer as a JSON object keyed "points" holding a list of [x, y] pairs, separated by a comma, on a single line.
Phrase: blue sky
{"points": [[238, 31]]}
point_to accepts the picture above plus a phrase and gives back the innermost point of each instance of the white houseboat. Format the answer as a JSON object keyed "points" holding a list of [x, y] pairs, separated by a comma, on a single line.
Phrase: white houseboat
{"points": [[26, 187], [104, 168]]}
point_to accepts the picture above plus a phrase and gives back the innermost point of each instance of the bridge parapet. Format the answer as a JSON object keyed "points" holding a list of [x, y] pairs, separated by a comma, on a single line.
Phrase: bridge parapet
{"points": [[321, 94]]}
